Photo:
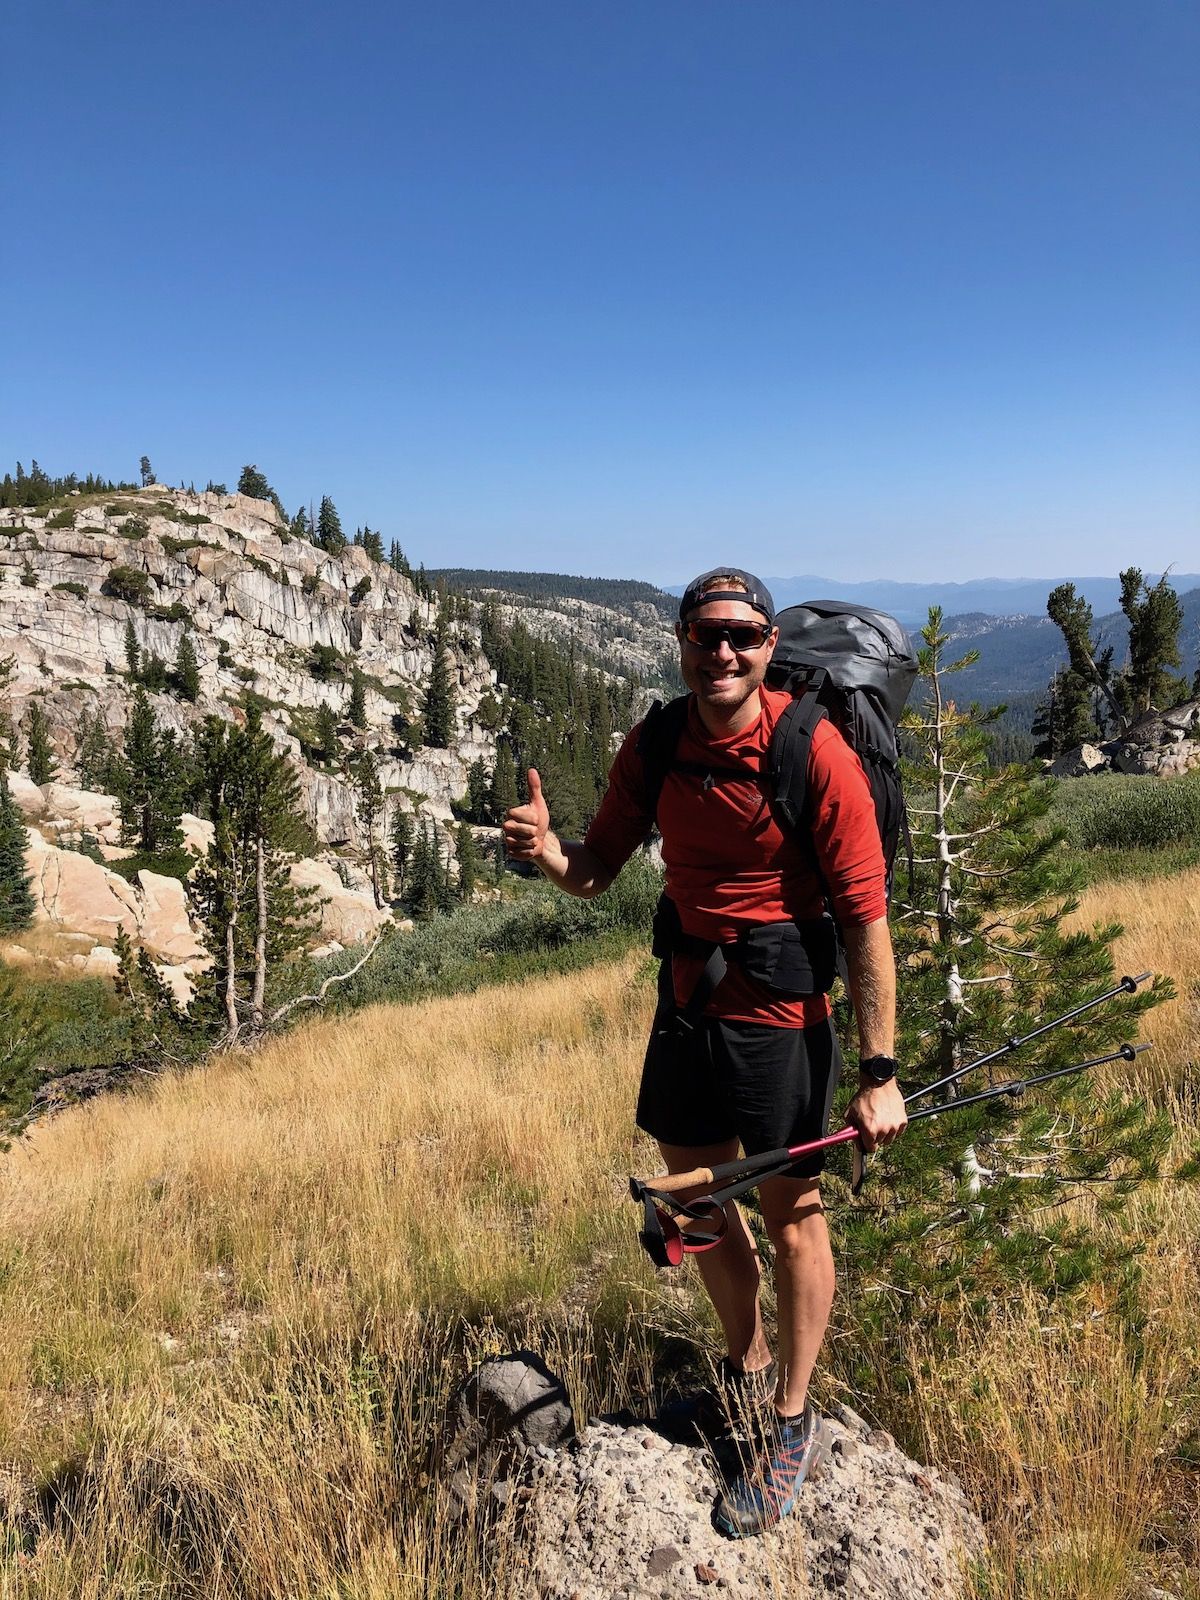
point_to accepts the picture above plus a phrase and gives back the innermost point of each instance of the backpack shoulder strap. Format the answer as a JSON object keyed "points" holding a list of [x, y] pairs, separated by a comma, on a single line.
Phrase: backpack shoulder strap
{"points": [[661, 732], [788, 758]]}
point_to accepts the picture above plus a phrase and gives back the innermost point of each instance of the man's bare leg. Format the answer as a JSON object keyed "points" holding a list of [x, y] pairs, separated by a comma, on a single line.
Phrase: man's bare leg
{"points": [[804, 1282], [731, 1270]]}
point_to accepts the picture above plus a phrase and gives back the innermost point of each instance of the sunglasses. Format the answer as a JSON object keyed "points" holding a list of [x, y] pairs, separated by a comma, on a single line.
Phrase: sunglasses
{"points": [[737, 635]]}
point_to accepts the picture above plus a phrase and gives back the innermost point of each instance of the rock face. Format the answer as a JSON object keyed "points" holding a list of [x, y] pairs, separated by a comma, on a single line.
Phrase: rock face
{"points": [[255, 604], [623, 1510]]}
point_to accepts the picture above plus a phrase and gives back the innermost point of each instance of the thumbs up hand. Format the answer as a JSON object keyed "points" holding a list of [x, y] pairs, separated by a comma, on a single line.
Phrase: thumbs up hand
{"points": [[525, 827]]}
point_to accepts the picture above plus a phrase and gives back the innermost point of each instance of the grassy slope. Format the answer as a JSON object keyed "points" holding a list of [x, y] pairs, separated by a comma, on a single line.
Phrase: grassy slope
{"points": [[232, 1306]]}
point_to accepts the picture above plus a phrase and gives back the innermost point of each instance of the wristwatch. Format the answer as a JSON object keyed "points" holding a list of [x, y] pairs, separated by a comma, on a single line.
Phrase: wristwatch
{"points": [[879, 1069]]}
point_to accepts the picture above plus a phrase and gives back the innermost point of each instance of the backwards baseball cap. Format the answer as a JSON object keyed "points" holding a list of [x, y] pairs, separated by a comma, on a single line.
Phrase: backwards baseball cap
{"points": [[755, 594]]}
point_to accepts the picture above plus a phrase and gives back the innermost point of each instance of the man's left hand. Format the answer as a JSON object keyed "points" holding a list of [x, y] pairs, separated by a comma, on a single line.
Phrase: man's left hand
{"points": [[877, 1111]]}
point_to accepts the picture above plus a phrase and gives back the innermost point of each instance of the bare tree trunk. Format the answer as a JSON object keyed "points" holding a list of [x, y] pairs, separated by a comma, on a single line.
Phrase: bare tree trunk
{"points": [[260, 935], [946, 908], [231, 1015]]}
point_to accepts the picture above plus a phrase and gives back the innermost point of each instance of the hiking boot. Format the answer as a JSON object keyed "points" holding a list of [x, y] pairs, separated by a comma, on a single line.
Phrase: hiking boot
{"points": [[737, 1400], [791, 1450]]}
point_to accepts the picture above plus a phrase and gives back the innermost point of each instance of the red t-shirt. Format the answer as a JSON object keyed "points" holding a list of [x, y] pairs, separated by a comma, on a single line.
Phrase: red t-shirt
{"points": [[728, 864]]}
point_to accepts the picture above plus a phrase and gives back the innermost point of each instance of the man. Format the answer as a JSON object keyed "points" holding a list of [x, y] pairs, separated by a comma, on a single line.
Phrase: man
{"points": [[761, 1067]]}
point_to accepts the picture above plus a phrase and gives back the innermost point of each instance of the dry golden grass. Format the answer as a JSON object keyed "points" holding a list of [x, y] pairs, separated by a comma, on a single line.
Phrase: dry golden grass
{"points": [[232, 1307], [1161, 919]]}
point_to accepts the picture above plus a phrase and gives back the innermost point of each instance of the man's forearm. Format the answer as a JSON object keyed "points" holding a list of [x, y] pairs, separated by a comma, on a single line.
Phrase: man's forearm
{"points": [[871, 966], [572, 867]]}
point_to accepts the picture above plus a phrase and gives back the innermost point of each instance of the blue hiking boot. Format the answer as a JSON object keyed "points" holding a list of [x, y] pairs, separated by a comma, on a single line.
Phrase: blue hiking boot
{"points": [[765, 1492]]}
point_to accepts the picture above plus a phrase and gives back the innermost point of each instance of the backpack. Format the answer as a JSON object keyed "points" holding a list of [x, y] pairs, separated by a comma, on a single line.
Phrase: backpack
{"points": [[846, 662]]}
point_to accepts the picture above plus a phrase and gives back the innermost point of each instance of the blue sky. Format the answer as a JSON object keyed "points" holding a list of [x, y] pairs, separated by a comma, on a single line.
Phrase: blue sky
{"points": [[870, 290]]}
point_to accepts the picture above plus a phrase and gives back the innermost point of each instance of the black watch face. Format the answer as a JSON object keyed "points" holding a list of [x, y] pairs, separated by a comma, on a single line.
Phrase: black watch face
{"points": [[880, 1069]]}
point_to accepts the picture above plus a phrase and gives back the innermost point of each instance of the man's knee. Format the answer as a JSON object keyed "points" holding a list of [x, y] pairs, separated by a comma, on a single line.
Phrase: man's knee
{"points": [[795, 1217]]}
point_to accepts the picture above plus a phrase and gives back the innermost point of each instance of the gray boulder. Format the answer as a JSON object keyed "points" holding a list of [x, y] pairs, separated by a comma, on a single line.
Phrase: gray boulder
{"points": [[624, 1510]]}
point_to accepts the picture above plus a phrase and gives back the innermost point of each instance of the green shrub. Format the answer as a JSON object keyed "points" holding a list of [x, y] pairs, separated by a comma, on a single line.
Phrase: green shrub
{"points": [[310, 583], [134, 528], [175, 612], [539, 929], [79, 590], [1129, 812], [174, 546], [168, 864], [130, 584], [61, 519]]}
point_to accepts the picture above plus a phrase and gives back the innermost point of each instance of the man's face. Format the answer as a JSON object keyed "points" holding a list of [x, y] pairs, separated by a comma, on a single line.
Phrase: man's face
{"points": [[720, 676]]}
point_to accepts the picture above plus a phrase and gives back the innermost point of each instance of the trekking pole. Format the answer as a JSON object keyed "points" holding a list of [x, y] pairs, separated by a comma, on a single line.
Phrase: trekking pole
{"points": [[1126, 986], [665, 1241]]}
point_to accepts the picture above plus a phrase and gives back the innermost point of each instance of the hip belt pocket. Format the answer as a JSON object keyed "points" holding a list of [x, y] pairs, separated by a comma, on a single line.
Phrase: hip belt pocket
{"points": [[791, 958]]}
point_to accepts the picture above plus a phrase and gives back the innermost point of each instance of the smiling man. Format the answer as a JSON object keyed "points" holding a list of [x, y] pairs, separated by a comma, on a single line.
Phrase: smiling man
{"points": [[760, 1064]]}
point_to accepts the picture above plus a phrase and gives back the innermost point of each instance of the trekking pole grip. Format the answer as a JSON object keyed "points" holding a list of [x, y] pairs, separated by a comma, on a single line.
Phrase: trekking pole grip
{"points": [[671, 1182]]}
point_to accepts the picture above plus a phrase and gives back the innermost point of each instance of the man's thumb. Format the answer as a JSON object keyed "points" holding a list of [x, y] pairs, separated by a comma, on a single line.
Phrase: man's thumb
{"points": [[535, 786]]}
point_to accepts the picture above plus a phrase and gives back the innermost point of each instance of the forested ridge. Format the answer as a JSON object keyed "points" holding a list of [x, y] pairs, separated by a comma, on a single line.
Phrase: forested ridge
{"points": [[616, 593]]}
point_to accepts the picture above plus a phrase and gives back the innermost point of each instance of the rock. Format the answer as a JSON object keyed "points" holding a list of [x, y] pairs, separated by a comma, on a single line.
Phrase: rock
{"points": [[82, 811], [73, 891], [1165, 743], [509, 1406], [30, 799], [197, 835], [349, 916], [1078, 763], [165, 929], [600, 1515]]}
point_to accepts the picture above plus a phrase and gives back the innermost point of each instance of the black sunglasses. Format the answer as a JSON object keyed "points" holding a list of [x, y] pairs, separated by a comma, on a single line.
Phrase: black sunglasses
{"points": [[738, 635]]}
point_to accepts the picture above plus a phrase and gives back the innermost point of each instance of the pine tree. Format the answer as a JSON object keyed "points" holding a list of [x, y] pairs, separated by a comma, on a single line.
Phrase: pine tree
{"points": [[154, 673], [40, 759], [326, 748], [400, 839], [96, 762], [1072, 615], [329, 528], [967, 1205], [152, 778], [16, 898], [503, 794], [468, 861], [438, 710], [479, 782], [299, 527], [356, 708], [373, 544], [146, 470], [1155, 617], [23, 1036], [187, 669], [133, 654], [368, 806], [254, 483], [254, 920]]}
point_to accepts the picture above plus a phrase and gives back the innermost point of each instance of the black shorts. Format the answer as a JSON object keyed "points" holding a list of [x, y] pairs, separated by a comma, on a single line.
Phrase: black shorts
{"points": [[767, 1087]]}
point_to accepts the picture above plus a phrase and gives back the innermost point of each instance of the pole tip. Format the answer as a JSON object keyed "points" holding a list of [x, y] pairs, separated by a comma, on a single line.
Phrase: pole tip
{"points": [[1130, 984]]}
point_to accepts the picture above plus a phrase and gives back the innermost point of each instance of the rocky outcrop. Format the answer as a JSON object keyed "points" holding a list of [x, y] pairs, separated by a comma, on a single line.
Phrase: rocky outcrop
{"points": [[1162, 744], [625, 1510]]}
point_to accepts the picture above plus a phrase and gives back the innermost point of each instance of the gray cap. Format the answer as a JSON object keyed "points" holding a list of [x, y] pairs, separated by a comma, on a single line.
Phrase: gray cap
{"points": [[756, 593]]}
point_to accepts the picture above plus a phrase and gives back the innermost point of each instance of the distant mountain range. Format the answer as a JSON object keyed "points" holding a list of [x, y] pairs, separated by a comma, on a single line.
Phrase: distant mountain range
{"points": [[994, 597]]}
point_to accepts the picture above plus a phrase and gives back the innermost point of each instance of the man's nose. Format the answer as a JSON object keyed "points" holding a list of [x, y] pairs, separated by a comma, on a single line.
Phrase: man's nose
{"points": [[724, 650]]}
